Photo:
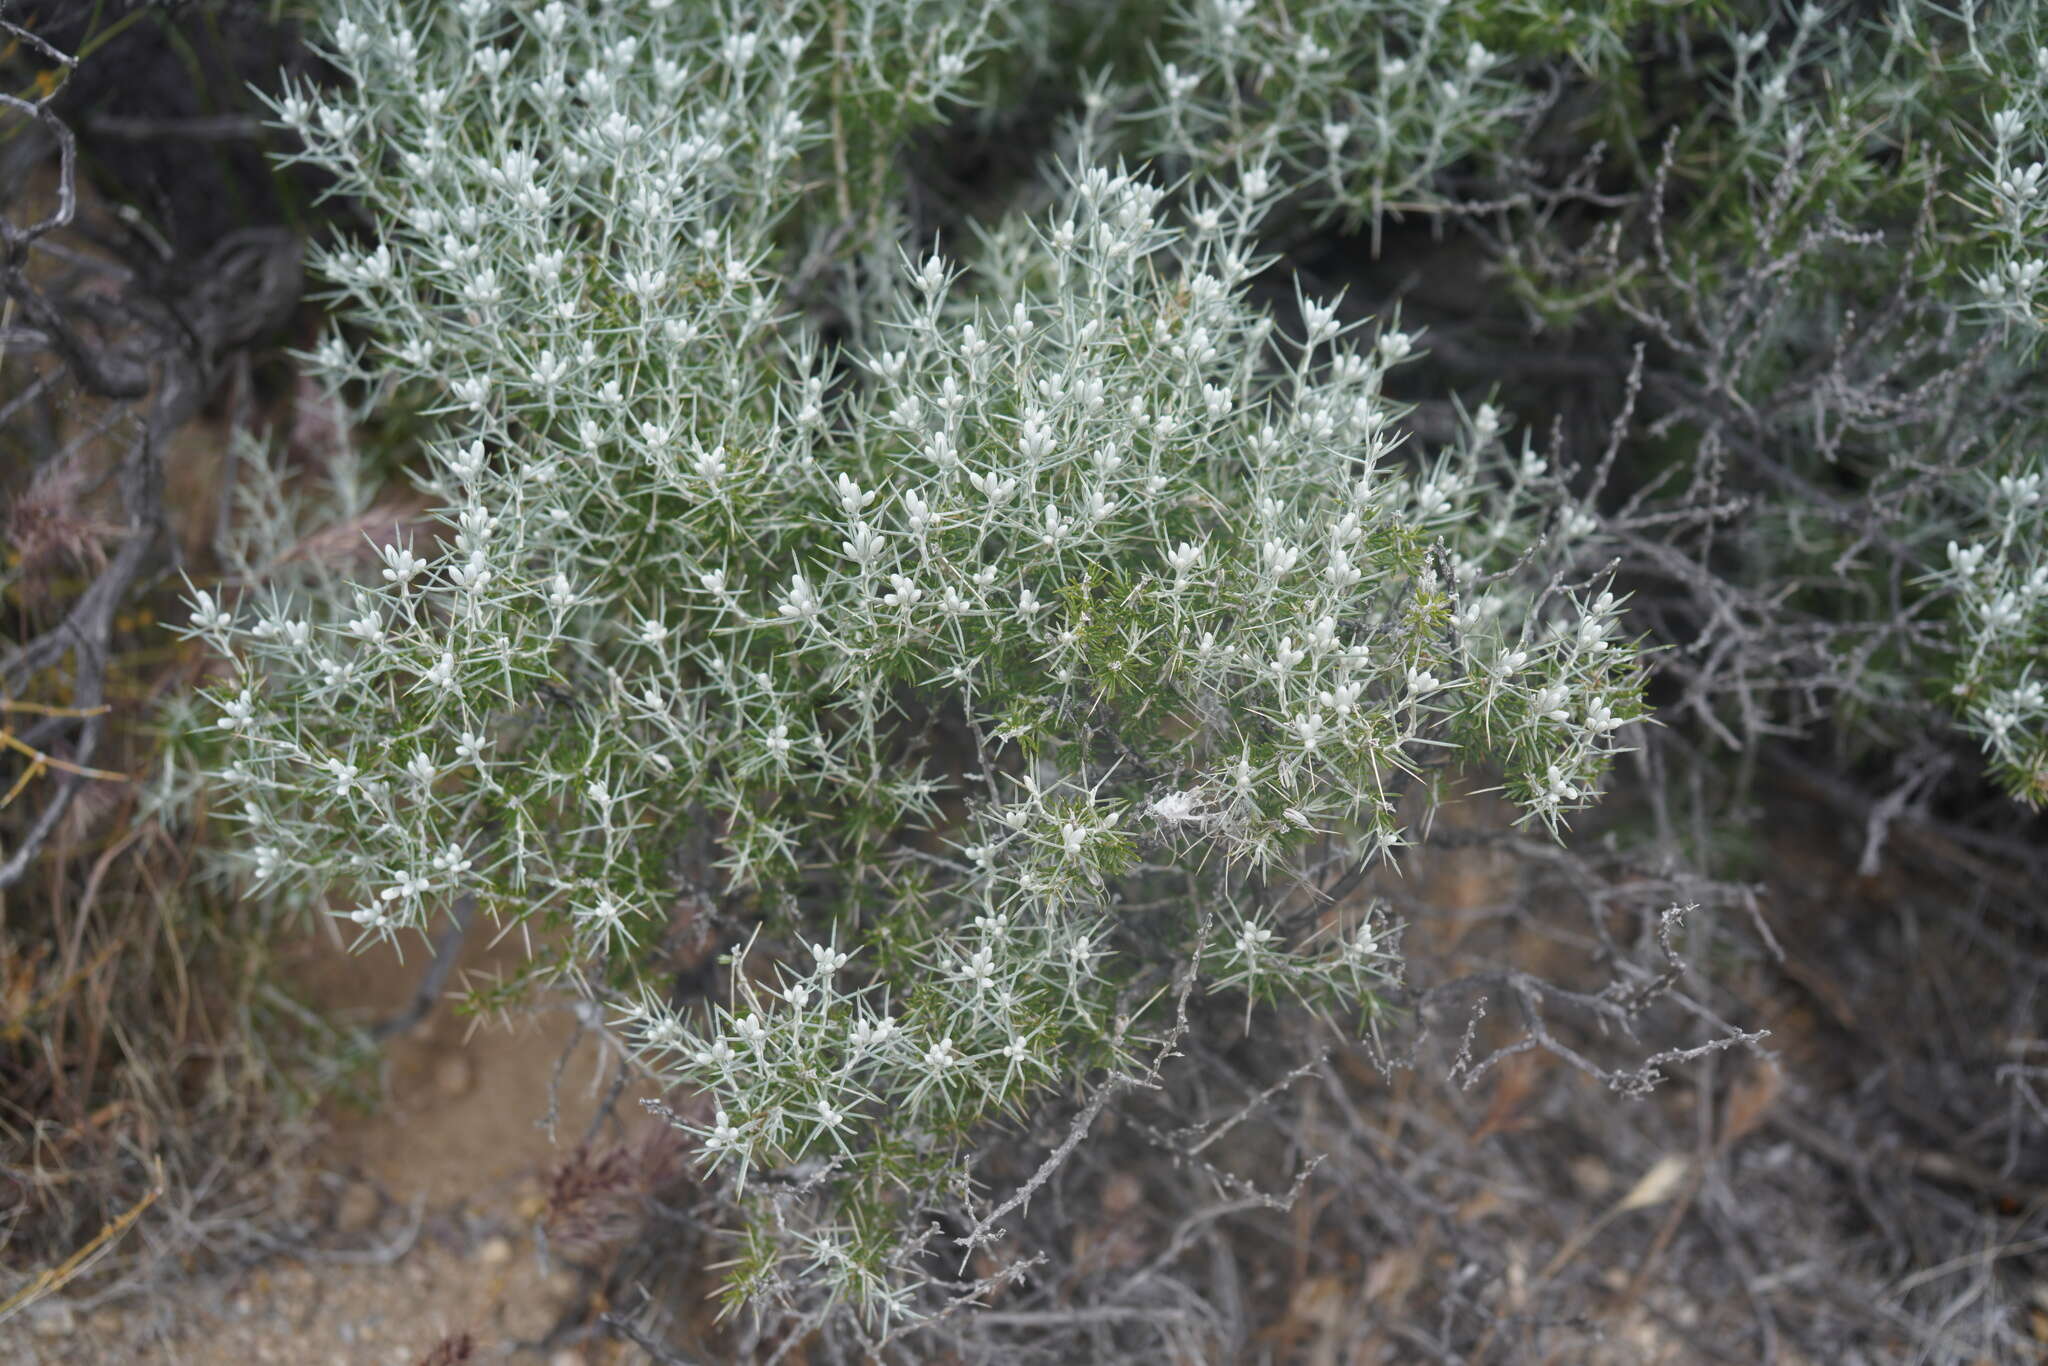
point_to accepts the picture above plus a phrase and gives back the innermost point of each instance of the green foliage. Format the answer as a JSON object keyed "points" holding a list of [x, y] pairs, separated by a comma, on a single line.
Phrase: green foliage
{"points": [[975, 670], [927, 654]]}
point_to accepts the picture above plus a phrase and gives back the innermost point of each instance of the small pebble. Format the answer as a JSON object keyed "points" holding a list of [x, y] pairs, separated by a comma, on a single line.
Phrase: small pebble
{"points": [[357, 1209], [1592, 1176], [1121, 1194], [54, 1319], [454, 1075]]}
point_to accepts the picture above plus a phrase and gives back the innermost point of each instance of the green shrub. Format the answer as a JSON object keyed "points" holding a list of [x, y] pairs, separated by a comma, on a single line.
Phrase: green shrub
{"points": [[992, 677]]}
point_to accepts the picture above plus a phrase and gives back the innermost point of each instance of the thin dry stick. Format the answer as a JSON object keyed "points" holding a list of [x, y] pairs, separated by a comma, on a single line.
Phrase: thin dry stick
{"points": [[39, 759]]}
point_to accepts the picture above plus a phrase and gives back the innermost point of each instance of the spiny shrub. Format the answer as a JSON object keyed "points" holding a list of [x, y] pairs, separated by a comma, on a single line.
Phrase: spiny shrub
{"points": [[994, 673]]}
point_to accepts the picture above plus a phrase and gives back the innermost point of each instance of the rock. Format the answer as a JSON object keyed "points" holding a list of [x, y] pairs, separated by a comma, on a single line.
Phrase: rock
{"points": [[494, 1252]]}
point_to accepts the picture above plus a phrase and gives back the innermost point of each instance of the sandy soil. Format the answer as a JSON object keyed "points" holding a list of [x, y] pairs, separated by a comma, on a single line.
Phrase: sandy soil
{"points": [[429, 1212]]}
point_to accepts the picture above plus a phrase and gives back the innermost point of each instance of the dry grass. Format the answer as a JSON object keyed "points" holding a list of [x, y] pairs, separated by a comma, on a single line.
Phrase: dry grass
{"points": [[148, 1059], [144, 1047]]}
